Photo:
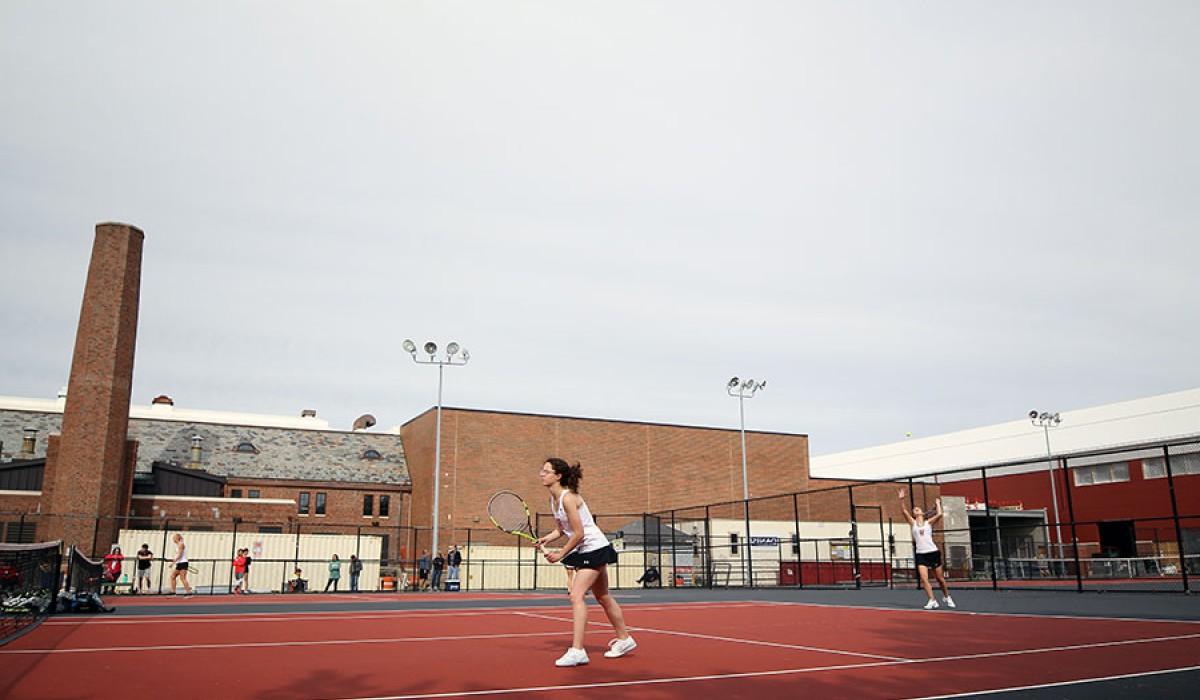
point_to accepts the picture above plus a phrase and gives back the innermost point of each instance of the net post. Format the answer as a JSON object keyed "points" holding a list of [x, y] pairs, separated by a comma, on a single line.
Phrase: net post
{"points": [[1074, 534], [519, 555], [987, 512], [1175, 519]]}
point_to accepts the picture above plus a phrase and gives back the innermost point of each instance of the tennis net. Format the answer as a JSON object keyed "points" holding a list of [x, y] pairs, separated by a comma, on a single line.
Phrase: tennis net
{"points": [[28, 585], [84, 575]]}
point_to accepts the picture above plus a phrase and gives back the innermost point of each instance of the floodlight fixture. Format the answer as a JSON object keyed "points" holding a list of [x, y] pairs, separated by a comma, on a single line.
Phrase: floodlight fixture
{"points": [[734, 382], [409, 346], [431, 348], [452, 348]]}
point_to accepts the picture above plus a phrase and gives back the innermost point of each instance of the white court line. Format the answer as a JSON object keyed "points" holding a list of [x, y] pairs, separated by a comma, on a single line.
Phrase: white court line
{"points": [[306, 643], [791, 671], [959, 611], [77, 620], [1081, 681], [738, 640]]}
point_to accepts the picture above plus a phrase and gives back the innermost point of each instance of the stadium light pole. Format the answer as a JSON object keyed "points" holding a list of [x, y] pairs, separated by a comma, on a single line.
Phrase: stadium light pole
{"points": [[1047, 421], [454, 356], [742, 390]]}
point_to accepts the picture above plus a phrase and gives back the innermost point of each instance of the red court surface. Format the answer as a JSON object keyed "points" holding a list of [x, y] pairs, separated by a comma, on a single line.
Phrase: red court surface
{"points": [[686, 650]]}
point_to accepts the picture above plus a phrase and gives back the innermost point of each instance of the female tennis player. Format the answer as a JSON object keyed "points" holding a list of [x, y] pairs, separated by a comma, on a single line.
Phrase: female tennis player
{"points": [[927, 555], [587, 551]]}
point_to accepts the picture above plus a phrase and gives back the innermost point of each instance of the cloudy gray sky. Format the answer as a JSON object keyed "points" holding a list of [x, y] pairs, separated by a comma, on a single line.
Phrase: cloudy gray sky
{"points": [[905, 216]]}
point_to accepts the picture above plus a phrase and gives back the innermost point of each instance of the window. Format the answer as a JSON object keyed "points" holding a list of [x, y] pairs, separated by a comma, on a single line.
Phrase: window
{"points": [[19, 533], [254, 493], [1181, 465], [733, 543], [385, 504], [368, 505], [271, 529], [383, 549], [796, 544], [304, 498], [235, 493], [1102, 474], [246, 447], [320, 504], [371, 454]]}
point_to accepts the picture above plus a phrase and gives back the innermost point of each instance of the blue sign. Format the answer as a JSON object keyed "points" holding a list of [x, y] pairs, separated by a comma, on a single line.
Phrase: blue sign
{"points": [[764, 541]]}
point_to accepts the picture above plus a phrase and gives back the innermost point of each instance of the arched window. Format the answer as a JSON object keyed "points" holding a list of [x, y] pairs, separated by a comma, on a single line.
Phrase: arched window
{"points": [[372, 454], [246, 447]]}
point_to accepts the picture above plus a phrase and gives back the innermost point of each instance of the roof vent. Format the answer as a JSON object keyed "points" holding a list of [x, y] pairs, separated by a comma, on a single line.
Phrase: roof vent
{"points": [[364, 421], [163, 400], [308, 413]]}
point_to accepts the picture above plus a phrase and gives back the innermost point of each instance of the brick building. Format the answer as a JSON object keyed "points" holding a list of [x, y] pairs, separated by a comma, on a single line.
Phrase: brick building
{"points": [[202, 470]]}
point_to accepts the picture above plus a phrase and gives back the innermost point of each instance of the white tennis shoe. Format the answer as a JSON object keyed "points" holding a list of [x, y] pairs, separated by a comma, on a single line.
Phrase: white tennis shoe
{"points": [[620, 647], [932, 605], [949, 602], [573, 657]]}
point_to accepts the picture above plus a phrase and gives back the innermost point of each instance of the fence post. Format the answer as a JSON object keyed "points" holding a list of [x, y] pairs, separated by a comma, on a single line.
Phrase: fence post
{"points": [[673, 549], [163, 555], [987, 517], [1074, 534], [469, 557], [707, 546], [233, 552], [854, 538], [1175, 518], [796, 522]]}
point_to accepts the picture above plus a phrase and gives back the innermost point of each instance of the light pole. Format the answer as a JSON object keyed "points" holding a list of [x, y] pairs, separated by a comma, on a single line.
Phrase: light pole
{"points": [[1048, 421], [744, 389], [454, 356]]}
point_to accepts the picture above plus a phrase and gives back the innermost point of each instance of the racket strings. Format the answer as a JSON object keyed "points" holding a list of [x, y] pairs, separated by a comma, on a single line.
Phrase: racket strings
{"points": [[509, 512]]}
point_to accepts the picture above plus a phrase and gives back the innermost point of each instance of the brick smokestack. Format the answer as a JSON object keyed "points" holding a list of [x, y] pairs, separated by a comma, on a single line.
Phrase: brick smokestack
{"points": [[89, 470]]}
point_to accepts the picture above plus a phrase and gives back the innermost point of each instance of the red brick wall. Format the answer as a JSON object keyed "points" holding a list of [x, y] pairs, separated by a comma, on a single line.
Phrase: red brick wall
{"points": [[628, 467]]}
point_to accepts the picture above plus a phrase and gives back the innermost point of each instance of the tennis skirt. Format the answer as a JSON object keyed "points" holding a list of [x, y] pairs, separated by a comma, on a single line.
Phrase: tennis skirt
{"points": [[591, 560]]}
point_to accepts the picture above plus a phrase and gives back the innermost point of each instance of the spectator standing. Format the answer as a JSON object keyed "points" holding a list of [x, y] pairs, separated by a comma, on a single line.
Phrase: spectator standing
{"points": [[144, 559], [439, 565], [239, 571], [335, 573], [453, 562], [423, 570], [356, 568]]}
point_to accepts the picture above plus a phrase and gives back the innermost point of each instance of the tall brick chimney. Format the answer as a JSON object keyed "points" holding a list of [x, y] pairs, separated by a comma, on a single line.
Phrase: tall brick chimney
{"points": [[89, 467]]}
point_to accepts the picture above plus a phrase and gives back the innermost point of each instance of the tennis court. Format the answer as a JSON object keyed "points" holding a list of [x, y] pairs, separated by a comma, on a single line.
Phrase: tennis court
{"points": [[729, 644]]}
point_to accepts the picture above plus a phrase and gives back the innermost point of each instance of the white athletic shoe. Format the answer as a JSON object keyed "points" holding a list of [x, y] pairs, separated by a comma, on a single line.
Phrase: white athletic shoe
{"points": [[949, 602], [932, 605], [573, 657], [620, 647]]}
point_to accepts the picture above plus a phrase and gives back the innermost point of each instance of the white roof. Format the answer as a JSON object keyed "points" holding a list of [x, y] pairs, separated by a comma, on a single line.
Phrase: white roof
{"points": [[188, 415], [1166, 417]]}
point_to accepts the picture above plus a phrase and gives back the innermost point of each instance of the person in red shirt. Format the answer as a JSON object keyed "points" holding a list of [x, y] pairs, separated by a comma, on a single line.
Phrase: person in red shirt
{"points": [[239, 571], [112, 567]]}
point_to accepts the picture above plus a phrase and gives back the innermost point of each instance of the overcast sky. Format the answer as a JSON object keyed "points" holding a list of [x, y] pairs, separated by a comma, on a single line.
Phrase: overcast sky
{"points": [[905, 216]]}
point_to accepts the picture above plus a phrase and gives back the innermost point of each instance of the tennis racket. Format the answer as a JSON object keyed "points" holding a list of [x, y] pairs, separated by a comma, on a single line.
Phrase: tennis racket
{"points": [[509, 513]]}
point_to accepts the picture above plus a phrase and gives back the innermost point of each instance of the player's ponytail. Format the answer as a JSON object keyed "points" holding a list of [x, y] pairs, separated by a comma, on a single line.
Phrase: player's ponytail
{"points": [[569, 474]]}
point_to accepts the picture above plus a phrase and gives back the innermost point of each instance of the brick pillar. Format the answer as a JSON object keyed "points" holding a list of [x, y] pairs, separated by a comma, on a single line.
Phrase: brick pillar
{"points": [[85, 476]]}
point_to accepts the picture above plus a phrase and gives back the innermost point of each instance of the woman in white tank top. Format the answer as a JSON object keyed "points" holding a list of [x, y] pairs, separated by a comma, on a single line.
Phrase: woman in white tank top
{"points": [[588, 552], [927, 555]]}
